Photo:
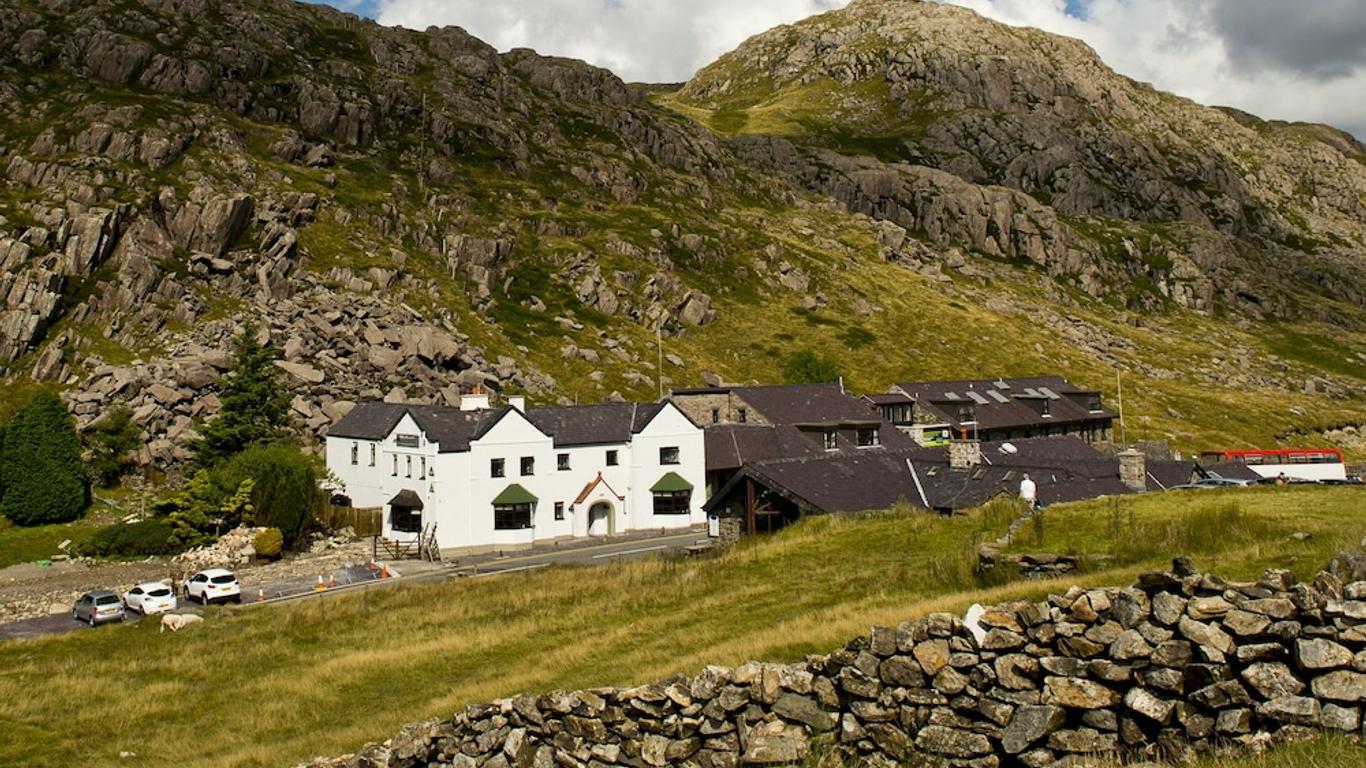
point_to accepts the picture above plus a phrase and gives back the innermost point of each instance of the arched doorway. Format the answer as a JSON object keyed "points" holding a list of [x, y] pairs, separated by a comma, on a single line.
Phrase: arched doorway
{"points": [[601, 522]]}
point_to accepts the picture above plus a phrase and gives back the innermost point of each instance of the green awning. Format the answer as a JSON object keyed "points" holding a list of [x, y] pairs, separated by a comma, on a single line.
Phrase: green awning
{"points": [[671, 481], [514, 494]]}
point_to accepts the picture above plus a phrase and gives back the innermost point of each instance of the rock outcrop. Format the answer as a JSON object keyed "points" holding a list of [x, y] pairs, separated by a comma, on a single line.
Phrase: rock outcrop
{"points": [[1179, 662]]}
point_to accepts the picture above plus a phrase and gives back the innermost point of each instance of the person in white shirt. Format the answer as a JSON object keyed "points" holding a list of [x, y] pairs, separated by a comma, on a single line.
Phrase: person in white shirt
{"points": [[1029, 492]]}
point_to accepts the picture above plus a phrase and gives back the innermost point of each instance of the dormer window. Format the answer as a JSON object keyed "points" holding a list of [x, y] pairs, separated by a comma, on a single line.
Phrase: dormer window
{"points": [[868, 437], [1046, 408], [1093, 403], [828, 438], [742, 415], [967, 414]]}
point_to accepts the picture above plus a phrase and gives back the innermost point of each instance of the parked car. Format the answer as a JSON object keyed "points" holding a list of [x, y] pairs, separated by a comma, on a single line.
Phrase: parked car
{"points": [[149, 598], [215, 585], [98, 607]]}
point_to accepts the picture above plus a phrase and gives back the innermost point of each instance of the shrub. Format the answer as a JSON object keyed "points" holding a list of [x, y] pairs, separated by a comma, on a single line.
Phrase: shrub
{"points": [[148, 537], [44, 480], [284, 493], [269, 543]]}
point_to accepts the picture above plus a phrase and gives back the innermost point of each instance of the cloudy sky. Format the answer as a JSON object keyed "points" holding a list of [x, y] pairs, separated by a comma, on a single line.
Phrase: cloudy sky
{"points": [[1291, 61]]}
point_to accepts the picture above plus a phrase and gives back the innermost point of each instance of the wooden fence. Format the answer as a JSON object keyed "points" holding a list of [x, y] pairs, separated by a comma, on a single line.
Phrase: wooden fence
{"points": [[365, 521]]}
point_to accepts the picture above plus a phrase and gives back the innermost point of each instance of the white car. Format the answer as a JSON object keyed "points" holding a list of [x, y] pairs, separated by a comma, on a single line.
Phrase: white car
{"points": [[213, 586], [149, 598]]}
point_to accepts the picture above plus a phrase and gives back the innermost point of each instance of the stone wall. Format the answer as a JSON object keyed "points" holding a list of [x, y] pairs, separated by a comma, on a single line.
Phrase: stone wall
{"points": [[1180, 661]]}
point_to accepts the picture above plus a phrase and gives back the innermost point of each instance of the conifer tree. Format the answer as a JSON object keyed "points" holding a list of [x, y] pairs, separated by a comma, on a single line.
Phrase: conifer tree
{"points": [[40, 465], [108, 444], [255, 403]]}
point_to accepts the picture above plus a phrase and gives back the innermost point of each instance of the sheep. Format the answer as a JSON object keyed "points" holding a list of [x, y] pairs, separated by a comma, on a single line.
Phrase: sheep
{"points": [[174, 621]]}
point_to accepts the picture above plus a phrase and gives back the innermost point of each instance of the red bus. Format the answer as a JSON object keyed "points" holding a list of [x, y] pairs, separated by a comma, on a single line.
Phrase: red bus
{"points": [[1294, 463]]}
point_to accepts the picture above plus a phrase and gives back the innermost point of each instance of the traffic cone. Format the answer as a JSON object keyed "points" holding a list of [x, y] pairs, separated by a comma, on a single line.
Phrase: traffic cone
{"points": [[332, 580], [261, 595], [320, 586], [384, 571]]}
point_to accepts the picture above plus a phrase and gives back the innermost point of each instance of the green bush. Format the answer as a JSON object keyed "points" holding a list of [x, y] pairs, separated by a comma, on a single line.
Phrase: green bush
{"points": [[148, 537], [40, 463], [284, 491], [269, 543]]}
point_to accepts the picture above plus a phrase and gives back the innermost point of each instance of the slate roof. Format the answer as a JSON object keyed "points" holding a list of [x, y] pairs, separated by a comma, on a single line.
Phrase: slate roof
{"points": [[1232, 470], [593, 424], [1063, 469], [806, 404], [1004, 407], [729, 446], [1167, 474], [451, 428]]}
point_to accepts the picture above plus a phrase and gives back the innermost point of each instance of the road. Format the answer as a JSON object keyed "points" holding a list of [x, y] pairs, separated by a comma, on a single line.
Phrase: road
{"points": [[412, 572]]}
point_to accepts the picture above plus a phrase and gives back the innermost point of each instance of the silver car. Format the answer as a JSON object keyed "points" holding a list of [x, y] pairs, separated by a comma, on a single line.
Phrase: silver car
{"points": [[98, 607]]}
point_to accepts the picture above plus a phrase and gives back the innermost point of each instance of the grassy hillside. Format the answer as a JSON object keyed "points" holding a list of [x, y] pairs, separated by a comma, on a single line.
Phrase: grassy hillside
{"points": [[274, 686]]}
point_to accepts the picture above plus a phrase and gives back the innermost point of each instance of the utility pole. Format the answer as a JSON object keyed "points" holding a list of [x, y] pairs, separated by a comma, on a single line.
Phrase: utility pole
{"points": [[1119, 385]]}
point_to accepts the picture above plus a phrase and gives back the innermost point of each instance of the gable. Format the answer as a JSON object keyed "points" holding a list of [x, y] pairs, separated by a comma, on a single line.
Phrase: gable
{"points": [[511, 427], [668, 420]]}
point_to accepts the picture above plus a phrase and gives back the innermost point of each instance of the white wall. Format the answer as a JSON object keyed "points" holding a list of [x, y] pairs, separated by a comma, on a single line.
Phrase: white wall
{"points": [[458, 491], [669, 428]]}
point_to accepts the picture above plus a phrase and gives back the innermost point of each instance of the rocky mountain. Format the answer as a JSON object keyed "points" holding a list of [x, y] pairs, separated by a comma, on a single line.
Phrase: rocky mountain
{"points": [[907, 189], [1019, 144]]}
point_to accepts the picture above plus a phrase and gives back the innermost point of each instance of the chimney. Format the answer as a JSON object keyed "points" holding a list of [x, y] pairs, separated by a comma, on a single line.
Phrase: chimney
{"points": [[516, 401], [474, 401], [1133, 469], [965, 453]]}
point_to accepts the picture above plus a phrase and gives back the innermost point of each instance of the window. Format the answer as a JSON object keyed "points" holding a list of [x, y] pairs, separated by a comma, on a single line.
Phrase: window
{"points": [[868, 437], [409, 470], [372, 454], [528, 465], [562, 462], [716, 415], [966, 414], [1093, 403], [495, 467], [511, 517], [423, 476], [668, 455], [395, 470], [405, 519], [828, 439], [407, 441], [611, 458], [742, 415], [1046, 407], [672, 502], [355, 454], [559, 510]]}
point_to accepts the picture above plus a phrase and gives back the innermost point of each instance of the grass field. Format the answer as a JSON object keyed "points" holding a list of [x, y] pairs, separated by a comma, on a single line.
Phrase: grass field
{"points": [[279, 685]]}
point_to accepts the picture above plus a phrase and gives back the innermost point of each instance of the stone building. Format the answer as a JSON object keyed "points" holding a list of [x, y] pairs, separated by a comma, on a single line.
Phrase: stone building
{"points": [[934, 412]]}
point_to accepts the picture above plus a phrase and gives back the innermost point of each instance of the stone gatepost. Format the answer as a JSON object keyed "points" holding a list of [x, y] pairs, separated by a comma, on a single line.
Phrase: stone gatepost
{"points": [[1133, 469]]}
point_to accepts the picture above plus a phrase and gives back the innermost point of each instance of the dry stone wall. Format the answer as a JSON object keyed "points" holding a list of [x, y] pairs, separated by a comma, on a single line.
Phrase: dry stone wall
{"points": [[1179, 662]]}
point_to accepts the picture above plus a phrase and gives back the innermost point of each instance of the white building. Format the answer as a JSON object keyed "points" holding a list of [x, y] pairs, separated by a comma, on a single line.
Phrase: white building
{"points": [[503, 478]]}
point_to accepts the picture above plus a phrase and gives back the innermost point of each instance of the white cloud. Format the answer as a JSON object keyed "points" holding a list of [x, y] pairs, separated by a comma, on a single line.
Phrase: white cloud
{"points": [[1188, 47], [644, 40]]}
